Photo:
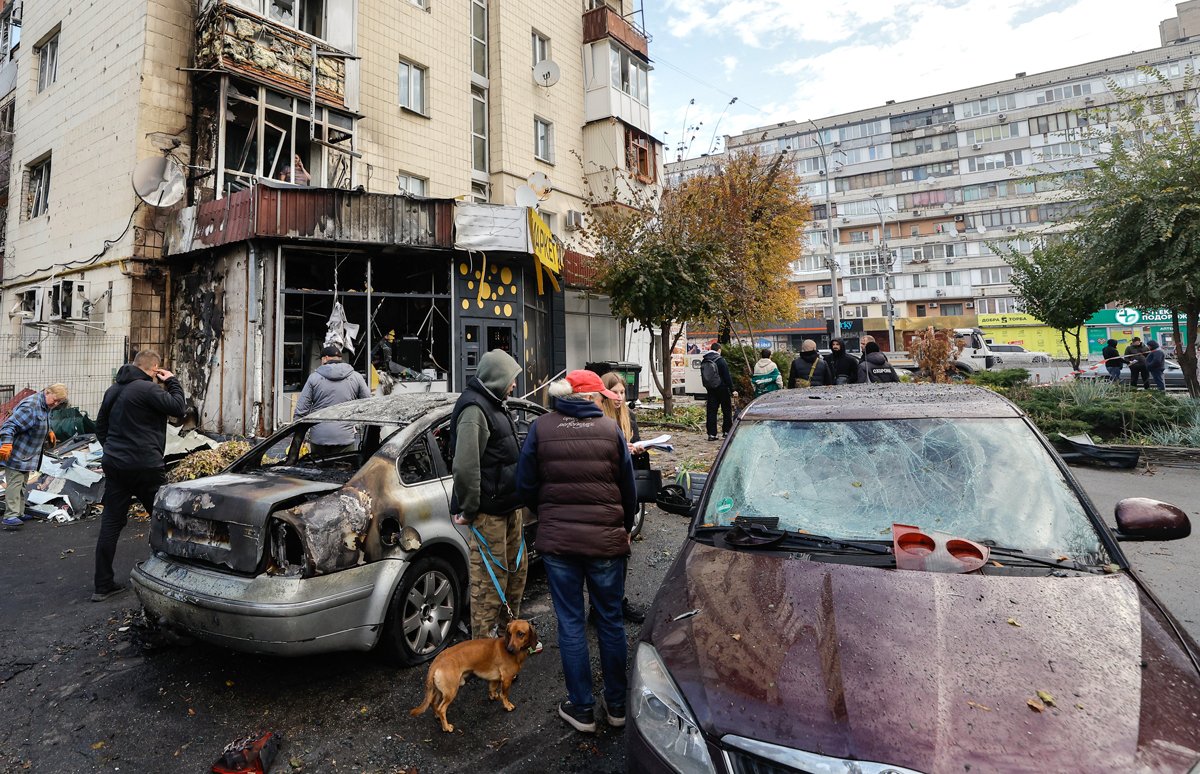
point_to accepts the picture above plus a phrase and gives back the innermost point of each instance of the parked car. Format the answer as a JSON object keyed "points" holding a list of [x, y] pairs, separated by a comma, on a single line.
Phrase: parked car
{"points": [[899, 578], [288, 553], [1172, 375], [1015, 355]]}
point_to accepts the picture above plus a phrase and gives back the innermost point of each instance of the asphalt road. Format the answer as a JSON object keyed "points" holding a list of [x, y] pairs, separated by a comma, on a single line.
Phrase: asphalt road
{"points": [[84, 688]]}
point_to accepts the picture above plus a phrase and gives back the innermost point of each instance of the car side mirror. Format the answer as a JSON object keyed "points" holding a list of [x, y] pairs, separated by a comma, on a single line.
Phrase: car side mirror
{"points": [[673, 498], [1140, 518]]}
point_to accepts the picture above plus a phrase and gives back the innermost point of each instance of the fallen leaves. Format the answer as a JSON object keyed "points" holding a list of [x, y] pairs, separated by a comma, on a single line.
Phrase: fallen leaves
{"points": [[99, 745], [737, 637], [65, 553], [1014, 622], [978, 706], [1036, 705], [1047, 698], [996, 564]]}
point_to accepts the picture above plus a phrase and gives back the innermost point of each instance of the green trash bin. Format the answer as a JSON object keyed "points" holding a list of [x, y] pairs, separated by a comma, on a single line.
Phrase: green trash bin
{"points": [[631, 374]]}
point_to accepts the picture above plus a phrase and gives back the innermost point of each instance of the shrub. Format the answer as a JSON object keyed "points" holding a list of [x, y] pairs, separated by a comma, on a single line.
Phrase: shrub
{"points": [[1008, 377], [1106, 411]]}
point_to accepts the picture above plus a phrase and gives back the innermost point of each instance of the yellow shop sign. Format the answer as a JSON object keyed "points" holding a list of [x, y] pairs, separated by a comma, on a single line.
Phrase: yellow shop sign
{"points": [[1007, 321], [545, 250]]}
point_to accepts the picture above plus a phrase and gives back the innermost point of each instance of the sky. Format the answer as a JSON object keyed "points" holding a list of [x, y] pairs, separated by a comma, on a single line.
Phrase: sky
{"points": [[799, 59]]}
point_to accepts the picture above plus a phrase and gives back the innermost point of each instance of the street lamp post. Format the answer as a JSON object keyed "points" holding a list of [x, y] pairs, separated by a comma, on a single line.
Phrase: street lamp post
{"points": [[885, 260], [830, 261]]}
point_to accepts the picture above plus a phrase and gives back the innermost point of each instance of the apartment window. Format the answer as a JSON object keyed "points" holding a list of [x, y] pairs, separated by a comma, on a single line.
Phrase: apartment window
{"points": [[629, 74], [543, 140], [990, 105], [932, 117], [550, 219], [854, 311], [860, 284], [47, 55], [824, 291], [865, 262], [541, 48], [413, 185], [999, 218], [810, 263], [951, 309], [924, 145], [948, 278], [479, 193], [479, 49], [922, 280], [1004, 305], [996, 275], [1055, 122], [304, 15], [10, 32], [860, 236], [1059, 93], [993, 133], [641, 154], [38, 196], [479, 132], [412, 87], [921, 311], [995, 161], [423, 4]]}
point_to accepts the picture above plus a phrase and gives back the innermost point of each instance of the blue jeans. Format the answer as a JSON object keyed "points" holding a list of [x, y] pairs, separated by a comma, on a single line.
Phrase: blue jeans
{"points": [[1114, 373], [1157, 376], [605, 579]]}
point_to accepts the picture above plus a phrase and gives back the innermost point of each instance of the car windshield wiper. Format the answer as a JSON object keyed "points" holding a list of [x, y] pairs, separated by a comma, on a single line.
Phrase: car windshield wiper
{"points": [[753, 534], [1015, 553]]}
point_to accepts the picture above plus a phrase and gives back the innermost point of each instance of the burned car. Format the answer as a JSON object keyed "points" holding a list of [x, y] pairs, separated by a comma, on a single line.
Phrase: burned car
{"points": [[290, 552], [902, 578]]}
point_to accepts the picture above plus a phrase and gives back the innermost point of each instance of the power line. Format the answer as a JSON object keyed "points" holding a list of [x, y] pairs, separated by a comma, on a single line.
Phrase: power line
{"points": [[703, 82]]}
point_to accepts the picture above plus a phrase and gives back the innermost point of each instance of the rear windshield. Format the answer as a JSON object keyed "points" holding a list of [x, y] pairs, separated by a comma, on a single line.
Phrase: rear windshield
{"points": [[981, 479]]}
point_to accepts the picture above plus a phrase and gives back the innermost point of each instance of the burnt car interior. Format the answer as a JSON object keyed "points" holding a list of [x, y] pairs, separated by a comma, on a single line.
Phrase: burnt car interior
{"points": [[290, 453]]}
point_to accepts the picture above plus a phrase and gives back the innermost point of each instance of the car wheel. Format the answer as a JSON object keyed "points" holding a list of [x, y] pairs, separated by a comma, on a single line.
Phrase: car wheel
{"points": [[639, 518], [423, 613]]}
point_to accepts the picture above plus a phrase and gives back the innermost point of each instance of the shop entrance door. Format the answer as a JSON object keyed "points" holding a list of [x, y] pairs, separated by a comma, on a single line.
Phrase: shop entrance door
{"points": [[477, 336]]}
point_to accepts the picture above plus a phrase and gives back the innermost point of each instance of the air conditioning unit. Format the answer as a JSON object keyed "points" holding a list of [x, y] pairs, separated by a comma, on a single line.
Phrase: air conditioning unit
{"points": [[29, 308], [574, 220], [939, 292], [916, 213], [977, 146], [933, 305], [68, 300], [1001, 118], [845, 220], [874, 298], [960, 218], [970, 305], [1011, 228], [837, 143]]}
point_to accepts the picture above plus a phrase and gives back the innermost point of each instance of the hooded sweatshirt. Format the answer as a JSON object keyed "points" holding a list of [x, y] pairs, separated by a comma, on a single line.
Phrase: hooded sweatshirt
{"points": [[841, 362], [483, 439], [1112, 355], [1138, 351], [1156, 359], [132, 421], [329, 385], [875, 366], [766, 376], [803, 366]]}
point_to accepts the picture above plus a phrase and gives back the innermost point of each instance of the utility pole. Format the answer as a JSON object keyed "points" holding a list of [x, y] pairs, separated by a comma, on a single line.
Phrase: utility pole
{"points": [[830, 261], [885, 261]]}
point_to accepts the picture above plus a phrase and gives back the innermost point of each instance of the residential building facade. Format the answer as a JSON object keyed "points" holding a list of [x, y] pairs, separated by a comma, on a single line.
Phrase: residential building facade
{"points": [[356, 167], [921, 197]]}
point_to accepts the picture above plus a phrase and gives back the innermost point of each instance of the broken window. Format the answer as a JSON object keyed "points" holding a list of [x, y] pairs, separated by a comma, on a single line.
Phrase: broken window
{"points": [[269, 134], [640, 155], [979, 479], [291, 452], [47, 63], [38, 191], [304, 15], [416, 464], [10, 30]]}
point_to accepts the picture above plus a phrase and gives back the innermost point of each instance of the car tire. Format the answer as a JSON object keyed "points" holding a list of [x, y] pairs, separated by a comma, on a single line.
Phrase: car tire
{"points": [[639, 519], [429, 598]]}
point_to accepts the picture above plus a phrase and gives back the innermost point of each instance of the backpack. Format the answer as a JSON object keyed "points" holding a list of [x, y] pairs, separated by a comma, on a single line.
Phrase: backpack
{"points": [[710, 377]]}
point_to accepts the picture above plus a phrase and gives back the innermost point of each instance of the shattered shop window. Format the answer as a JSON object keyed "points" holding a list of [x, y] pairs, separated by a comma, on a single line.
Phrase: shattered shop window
{"points": [[979, 479]]}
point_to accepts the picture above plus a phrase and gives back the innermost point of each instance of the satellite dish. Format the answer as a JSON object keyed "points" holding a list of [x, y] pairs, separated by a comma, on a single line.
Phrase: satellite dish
{"points": [[159, 181], [526, 197], [545, 73], [541, 185]]}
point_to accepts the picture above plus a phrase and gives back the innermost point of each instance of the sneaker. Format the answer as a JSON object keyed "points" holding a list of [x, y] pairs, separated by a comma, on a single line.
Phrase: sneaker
{"points": [[27, 517], [582, 719], [12, 522], [615, 715], [100, 596], [712, 438], [631, 612]]}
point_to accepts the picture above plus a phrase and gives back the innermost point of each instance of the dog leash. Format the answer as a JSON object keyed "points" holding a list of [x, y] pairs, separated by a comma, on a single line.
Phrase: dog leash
{"points": [[485, 553]]}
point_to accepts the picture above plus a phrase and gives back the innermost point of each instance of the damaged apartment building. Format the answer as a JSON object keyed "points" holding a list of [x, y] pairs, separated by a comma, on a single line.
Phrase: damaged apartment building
{"points": [[307, 168]]}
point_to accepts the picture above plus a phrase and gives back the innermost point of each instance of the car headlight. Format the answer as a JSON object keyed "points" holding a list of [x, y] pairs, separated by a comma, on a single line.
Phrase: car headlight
{"points": [[662, 716]]}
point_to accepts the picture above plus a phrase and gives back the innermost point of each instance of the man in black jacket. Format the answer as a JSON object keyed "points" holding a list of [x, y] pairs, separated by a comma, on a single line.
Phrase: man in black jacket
{"points": [[132, 427], [842, 364], [809, 369], [719, 396]]}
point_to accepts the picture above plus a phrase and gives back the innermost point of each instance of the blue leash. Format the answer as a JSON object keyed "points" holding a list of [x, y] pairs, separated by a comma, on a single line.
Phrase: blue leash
{"points": [[485, 552]]}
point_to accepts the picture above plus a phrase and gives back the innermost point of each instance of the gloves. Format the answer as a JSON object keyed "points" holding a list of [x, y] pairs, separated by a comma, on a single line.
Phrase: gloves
{"points": [[5, 451], [53, 439]]}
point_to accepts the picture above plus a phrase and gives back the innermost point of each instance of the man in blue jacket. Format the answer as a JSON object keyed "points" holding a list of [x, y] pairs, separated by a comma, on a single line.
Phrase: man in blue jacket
{"points": [[21, 439], [1156, 363], [333, 383], [132, 427]]}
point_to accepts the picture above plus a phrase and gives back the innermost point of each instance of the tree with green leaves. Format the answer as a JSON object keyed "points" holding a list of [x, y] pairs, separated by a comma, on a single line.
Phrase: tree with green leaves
{"points": [[1139, 223], [1056, 284]]}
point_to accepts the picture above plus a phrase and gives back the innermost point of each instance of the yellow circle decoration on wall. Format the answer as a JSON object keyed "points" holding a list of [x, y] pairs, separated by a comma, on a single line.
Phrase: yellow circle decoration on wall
{"points": [[506, 275], [513, 290], [496, 310], [494, 269], [500, 290], [462, 269], [478, 275], [480, 302], [508, 310], [486, 289], [466, 304], [470, 284]]}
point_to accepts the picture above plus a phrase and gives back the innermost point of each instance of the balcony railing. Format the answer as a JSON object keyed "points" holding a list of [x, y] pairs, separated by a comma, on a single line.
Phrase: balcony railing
{"points": [[603, 22], [237, 41]]}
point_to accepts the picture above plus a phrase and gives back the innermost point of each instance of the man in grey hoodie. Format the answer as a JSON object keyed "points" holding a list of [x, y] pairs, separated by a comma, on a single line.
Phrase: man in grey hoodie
{"points": [[333, 383], [484, 444]]}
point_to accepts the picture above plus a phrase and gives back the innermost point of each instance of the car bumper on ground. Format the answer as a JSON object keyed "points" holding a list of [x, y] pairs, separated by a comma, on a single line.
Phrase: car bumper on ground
{"points": [[272, 615]]}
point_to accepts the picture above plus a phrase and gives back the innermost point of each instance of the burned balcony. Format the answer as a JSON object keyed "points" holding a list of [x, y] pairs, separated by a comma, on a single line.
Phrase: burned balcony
{"points": [[605, 22], [234, 40]]}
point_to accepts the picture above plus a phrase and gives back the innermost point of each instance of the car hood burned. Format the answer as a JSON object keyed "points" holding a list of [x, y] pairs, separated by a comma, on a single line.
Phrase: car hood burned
{"points": [[926, 670]]}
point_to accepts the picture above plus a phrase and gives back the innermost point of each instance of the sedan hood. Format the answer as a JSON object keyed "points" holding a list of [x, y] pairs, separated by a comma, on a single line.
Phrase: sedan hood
{"points": [[928, 671], [221, 519]]}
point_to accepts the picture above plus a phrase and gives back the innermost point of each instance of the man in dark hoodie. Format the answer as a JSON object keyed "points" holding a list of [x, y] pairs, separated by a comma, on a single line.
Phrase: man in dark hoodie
{"points": [[1112, 361], [1156, 363], [483, 441], [875, 366], [718, 395], [576, 472], [809, 369], [1135, 356], [132, 427], [333, 383], [843, 365]]}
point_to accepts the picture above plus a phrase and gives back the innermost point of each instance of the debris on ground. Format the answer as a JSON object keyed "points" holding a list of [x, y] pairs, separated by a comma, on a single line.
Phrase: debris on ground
{"points": [[250, 754], [207, 462]]}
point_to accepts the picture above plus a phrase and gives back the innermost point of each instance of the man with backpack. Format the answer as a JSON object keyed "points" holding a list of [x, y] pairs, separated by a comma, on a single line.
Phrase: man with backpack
{"points": [[875, 366], [718, 384], [809, 369]]}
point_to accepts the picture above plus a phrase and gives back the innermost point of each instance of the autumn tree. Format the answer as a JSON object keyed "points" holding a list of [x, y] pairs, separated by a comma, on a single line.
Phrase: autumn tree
{"points": [[1057, 284], [1139, 222]]}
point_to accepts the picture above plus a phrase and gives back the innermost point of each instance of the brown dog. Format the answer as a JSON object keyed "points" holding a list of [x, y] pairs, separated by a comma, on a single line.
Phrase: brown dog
{"points": [[495, 659]]}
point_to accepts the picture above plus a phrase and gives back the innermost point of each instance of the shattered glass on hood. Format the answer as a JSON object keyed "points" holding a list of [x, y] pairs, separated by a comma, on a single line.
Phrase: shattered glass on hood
{"points": [[980, 479]]}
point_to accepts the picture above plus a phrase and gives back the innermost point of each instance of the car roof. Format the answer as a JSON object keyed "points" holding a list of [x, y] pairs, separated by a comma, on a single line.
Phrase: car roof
{"points": [[854, 402]]}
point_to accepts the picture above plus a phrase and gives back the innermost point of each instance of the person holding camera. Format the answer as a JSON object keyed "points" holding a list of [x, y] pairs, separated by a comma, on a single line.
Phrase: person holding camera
{"points": [[132, 427]]}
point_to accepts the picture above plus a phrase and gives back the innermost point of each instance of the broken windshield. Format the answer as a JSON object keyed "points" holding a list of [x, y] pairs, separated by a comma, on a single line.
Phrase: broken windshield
{"points": [[981, 479]]}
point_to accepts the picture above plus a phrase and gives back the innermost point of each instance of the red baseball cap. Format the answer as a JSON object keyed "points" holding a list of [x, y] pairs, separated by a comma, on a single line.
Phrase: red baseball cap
{"points": [[589, 381]]}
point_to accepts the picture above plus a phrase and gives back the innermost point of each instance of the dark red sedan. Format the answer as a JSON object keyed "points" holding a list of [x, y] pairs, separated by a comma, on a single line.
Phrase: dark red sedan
{"points": [[899, 578]]}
